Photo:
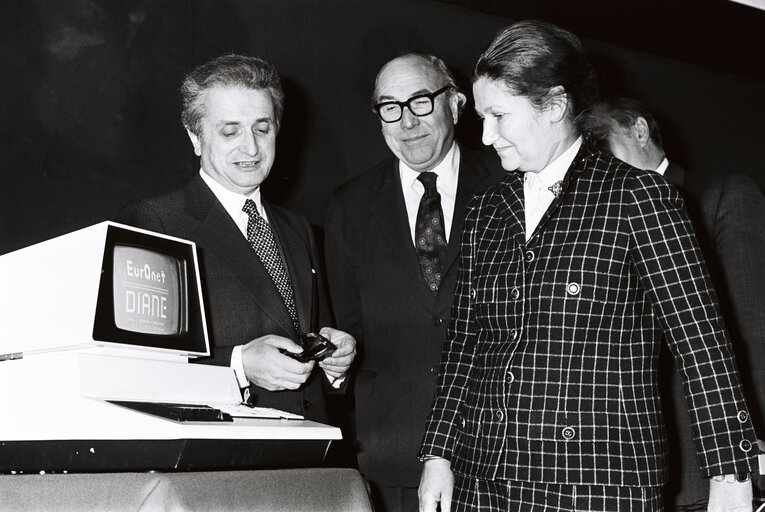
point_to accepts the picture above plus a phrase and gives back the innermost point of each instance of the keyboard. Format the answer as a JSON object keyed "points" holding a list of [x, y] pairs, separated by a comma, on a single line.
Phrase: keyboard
{"points": [[177, 412], [194, 412]]}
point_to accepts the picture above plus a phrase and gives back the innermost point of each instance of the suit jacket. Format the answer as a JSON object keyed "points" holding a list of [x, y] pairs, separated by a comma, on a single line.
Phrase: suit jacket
{"points": [[726, 213], [379, 296], [549, 373], [242, 303]]}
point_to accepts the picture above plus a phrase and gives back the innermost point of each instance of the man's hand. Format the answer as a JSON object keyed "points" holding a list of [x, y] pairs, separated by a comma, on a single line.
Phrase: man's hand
{"points": [[337, 365], [436, 485], [265, 365], [730, 496]]}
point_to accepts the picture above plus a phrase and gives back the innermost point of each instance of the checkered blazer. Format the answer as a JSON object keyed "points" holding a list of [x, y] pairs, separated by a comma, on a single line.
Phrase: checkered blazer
{"points": [[549, 372]]}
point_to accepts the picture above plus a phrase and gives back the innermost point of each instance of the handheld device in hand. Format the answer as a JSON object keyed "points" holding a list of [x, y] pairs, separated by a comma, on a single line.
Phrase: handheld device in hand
{"points": [[315, 348]]}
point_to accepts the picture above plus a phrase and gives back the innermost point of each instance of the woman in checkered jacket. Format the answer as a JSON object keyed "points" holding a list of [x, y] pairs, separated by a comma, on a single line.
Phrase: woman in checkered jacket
{"points": [[575, 268]]}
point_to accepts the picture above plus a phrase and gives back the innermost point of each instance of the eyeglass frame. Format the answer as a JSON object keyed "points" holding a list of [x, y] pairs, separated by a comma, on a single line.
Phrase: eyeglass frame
{"points": [[401, 104]]}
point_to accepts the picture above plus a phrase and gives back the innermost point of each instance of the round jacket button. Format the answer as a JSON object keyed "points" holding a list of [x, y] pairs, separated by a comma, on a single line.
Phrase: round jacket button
{"points": [[510, 377], [568, 433], [463, 423], [529, 256], [573, 288], [743, 416], [472, 293], [513, 334], [434, 370], [499, 415], [515, 293], [438, 321], [745, 445]]}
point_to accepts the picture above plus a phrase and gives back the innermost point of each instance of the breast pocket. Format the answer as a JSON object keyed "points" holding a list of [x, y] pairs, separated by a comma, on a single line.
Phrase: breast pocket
{"points": [[583, 286], [496, 299]]}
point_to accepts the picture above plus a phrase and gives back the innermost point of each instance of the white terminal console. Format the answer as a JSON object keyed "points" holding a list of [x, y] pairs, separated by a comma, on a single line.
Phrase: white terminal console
{"points": [[99, 320]]}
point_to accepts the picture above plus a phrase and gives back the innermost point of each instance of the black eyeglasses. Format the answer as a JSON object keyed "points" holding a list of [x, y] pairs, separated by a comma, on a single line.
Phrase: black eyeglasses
{"points": [[420, 105]]}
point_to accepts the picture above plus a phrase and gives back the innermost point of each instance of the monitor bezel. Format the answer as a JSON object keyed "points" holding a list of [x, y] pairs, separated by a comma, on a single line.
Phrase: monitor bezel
{"points": [[191, 340]]}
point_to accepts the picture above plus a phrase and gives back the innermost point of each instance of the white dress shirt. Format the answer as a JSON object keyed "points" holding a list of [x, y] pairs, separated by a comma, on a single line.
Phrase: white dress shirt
{"points": [[446, 184], [537, 191], [233, 202]]}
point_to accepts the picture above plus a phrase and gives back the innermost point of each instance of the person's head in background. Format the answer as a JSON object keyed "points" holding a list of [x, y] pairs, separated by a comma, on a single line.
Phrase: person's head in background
{"points": [[232, 111], [628, 130], [531, 86], [418, 103]]}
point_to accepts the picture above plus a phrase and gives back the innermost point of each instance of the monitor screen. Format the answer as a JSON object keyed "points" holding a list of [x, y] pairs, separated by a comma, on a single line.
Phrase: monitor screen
{"points": [[148, 294], [148, 291]]}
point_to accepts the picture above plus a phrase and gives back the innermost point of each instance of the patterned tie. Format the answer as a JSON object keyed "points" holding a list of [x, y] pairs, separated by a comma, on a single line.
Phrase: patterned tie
{"points": [[429, 233], [262, 239]]}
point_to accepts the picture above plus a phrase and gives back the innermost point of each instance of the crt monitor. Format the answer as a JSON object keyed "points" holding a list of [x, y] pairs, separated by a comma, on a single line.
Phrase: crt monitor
{"points": [[144, 298], [108, 285]]}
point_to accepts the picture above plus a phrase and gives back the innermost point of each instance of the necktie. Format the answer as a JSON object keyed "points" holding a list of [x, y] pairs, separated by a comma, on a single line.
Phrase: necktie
{"points": [[429, 233], [262, 240]]}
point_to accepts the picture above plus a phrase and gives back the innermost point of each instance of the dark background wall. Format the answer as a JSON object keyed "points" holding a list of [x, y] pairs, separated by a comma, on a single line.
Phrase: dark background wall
{"points": [[89, 109]]}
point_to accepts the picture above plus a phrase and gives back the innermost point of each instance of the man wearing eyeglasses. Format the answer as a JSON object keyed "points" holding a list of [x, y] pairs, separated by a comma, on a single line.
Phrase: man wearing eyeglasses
{"points": [[392, 247]]}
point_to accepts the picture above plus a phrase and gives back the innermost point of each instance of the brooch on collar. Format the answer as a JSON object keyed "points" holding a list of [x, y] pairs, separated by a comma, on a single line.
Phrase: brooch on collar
{"points": [[556, 188]]}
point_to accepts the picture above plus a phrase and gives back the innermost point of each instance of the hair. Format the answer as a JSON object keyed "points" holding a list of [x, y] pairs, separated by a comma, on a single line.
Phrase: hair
{"points": [[623, 112], [531, 57], [435, 62], [228, 71]]}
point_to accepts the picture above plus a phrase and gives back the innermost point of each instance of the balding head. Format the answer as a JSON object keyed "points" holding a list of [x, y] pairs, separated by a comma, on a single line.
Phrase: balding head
{"points": [[419, 140]]}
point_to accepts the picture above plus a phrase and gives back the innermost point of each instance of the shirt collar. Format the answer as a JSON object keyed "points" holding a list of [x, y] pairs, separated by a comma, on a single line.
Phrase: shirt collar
{"points": [[556, 170], [231, 201], [663, 166], [447, 170]]}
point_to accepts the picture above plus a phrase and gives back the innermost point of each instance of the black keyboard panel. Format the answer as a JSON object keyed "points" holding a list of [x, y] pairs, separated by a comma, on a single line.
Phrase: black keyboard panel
{"points": [[177, 412]]}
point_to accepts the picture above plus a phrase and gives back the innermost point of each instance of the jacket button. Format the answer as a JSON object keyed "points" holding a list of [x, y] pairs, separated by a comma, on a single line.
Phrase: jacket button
{"points": [[306, 404], [743, 416], [568, 433], [499, 415], [463, 423], [438, 321], [513, 334], [472, 293], [515, 293], [745, 445], [434, 370], [573, 288], [529, 256], [510, 377]]}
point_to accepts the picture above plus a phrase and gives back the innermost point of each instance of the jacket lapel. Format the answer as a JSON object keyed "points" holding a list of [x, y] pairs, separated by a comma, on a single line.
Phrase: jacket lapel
{"points": [[221, 238], [293, 249], [577, 166], [512, 208], [388, 214]]}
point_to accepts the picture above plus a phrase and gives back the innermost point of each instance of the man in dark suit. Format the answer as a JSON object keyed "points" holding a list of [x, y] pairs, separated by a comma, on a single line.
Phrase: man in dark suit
{"points": [[260, 275], [390, 291], [722, 211]]}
